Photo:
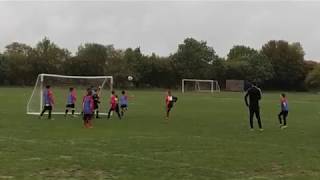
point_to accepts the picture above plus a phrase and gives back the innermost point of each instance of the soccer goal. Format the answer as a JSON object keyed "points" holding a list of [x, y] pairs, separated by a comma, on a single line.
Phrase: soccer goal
{"points": [[199, 85], [60, 85]]}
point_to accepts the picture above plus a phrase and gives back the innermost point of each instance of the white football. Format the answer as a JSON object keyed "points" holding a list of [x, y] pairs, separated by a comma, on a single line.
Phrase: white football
{"points": [[130, 78]]}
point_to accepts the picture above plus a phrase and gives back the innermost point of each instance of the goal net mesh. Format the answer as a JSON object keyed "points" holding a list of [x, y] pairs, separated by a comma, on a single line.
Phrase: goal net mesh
{"points": [[189, 85], [60, 87]]}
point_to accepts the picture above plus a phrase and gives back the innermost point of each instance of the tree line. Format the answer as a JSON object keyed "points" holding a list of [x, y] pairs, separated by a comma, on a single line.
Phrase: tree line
{"points": [[277, 65]]}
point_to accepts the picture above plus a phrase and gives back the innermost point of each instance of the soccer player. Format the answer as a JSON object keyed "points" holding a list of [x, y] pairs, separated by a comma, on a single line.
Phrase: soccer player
{"points": [[87, 109], [123, 102], [254, 94], [71, 100], [96, 100], [48, 101], [170, 100], [114, 106], [284, 111]]}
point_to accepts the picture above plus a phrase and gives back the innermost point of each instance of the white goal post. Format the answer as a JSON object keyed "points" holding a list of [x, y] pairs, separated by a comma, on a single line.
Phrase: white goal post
{"points": [[200, 85], [60, 85]]}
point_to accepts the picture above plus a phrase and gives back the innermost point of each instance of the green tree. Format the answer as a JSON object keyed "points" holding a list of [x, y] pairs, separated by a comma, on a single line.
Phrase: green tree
{"points": [[248, 64], [95, 57], [193, 59], [239, 52], [313, 79], [48, 57], [136, 63], [4, 65], [18, 63], [259, 68], [288, 63]]}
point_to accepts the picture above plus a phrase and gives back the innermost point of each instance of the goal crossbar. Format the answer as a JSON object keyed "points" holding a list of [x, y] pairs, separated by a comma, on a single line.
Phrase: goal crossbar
{"points": [[40, 81], [76, 77], [196, 81]]}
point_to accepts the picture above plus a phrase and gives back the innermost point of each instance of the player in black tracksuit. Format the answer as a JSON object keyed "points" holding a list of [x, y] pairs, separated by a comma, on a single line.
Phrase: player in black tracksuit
{"points": [[254, 94]]}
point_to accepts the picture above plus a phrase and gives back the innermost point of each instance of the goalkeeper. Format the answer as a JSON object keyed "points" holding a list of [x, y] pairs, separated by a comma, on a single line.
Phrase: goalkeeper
{"points": [[96, 101]]}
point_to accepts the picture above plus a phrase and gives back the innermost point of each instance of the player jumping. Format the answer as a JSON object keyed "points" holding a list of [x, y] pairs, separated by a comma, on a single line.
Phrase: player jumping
{"points": [[48, 101], [87, 109], [123, 103], [71, 100], [284, 111], [114, 106]]}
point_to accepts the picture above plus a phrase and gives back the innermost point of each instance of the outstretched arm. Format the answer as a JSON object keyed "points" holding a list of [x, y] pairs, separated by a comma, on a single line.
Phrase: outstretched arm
{"points": [[246, 98]]}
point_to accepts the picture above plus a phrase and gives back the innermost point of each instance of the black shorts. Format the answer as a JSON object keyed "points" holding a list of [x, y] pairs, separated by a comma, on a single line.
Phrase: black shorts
{"points": [[96, 106], [87, 117], [116, 108], [284, 113], [169, 107], [124, 106], [70, 106], [47, 108]]}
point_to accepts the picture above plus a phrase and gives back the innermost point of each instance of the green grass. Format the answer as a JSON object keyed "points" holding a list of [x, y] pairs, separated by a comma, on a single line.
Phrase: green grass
{"points": [[207, 138]]}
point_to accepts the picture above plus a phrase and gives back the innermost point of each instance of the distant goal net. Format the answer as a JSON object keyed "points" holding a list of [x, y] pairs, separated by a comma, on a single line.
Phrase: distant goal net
{"points": [[60, 85], [235, 85], [199, 85]]}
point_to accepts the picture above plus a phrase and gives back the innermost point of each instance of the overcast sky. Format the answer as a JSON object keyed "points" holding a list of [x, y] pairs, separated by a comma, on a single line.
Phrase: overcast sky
{"points": [[160, 26]]}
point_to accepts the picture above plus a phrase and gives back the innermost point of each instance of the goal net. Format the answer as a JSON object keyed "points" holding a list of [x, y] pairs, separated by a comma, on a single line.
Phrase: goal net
{"points": [[60, 85], [200, 85], [235, 85]]}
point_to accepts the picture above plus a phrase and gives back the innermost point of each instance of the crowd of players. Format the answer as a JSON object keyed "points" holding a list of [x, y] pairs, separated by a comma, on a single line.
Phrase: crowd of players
{"points": [[90, 104], [91, 101]]}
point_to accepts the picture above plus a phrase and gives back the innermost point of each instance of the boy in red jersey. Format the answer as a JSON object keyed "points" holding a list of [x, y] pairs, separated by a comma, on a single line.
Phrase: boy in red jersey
{"points": [[114, 105], [170, 100], [48, 101], [88, 109]]}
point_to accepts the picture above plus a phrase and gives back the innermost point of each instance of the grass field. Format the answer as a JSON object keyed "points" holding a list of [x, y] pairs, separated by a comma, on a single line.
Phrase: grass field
{"points": [[207, 138]]}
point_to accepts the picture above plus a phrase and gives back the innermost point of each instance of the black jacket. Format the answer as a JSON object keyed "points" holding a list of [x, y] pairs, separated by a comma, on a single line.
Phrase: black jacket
{"points": [[254, 95]]}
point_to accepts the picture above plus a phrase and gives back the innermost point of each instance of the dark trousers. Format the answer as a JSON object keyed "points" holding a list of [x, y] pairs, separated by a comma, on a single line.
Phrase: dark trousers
{"points": [[255, 111], [116, 109], [284, 114], [47, 108]]}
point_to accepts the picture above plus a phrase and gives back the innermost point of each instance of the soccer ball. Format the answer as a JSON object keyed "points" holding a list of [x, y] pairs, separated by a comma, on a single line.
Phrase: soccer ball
{"points": [[130, 78]]}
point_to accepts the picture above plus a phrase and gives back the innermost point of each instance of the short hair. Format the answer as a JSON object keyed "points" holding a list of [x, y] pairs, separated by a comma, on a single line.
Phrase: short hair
{"points": [[283, 94], [89, 91], [123, 92], [48, 86], [112, 92], [71, 89]]}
